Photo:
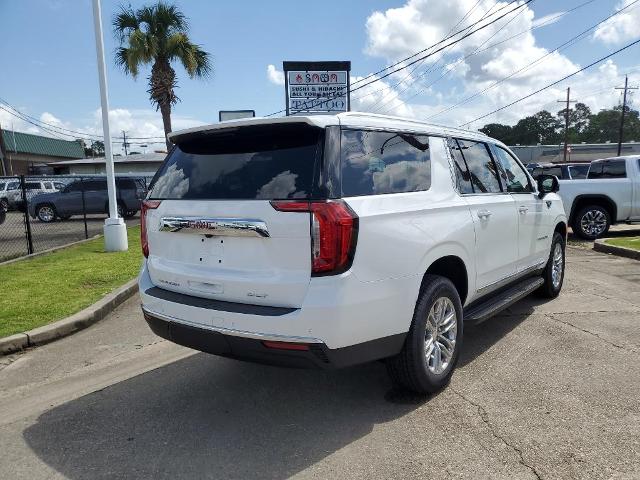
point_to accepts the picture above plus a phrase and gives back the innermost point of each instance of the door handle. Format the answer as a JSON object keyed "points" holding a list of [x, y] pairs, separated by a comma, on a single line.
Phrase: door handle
{"points": [[523, 209], [484, 214]]}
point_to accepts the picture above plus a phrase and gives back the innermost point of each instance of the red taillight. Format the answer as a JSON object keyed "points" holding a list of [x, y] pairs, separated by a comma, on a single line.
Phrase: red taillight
{"points": [[334, 231], [146, 205]]}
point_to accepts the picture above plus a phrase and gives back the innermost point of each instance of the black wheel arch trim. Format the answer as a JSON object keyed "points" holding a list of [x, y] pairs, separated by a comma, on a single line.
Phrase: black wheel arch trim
{"points": [[594, 196]]}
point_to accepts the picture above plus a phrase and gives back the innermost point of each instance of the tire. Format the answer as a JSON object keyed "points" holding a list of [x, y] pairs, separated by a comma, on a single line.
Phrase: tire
{"points": [[130, 213], [46, 213], [4, 204], [410, 369], [591, 222], [553, 279]]}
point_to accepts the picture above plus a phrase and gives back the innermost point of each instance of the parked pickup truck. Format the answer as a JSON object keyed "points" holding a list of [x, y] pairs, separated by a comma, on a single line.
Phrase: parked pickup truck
{"points": [[610, 194]]}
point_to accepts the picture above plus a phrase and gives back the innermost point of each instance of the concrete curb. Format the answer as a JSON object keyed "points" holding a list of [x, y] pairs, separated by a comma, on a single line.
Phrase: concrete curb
{"points": [[69, 325], [600, 246]]}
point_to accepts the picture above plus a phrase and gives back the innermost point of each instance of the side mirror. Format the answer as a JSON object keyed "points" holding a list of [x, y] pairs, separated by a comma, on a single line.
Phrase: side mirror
{"points": [[547, 184]]}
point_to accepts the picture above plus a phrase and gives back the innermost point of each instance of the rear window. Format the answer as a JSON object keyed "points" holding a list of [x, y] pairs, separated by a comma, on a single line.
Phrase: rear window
{"points": [[32, 185], [608, 169], [259, 162], [579, 171], [384, 162]]}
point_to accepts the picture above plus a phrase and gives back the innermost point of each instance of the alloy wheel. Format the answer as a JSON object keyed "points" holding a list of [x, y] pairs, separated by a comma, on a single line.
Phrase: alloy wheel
{"points": [[593, 223], [46, 213], [440, 335], [557, 266]]}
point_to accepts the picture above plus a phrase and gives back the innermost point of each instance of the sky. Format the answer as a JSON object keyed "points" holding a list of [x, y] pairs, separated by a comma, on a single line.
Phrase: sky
{"points": [[50, 72]]}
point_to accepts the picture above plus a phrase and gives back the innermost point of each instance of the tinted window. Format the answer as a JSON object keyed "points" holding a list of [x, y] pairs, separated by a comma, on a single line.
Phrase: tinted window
{"points": [[482, 170], [384, 162], [125, 183], [578, 171], [463, 179], [608, 169], [261, 162], [557, 171], [512, 174], [95, 185], [615, 169], [2, 184], [48, 185], [32, 185], [74, 187], [13, 185]]}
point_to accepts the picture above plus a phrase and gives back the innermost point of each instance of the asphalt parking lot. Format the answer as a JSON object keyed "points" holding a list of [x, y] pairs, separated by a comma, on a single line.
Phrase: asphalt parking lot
{"points": [[13, 241], [546, 390]]}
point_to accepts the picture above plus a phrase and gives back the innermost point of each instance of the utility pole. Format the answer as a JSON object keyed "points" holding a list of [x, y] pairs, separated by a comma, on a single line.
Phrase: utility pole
{"points": [[624, 108], [124, 142], [566, 122]]}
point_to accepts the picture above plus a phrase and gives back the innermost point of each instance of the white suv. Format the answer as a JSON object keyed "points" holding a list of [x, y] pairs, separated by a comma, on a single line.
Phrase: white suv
{"points": [[327, 241]]}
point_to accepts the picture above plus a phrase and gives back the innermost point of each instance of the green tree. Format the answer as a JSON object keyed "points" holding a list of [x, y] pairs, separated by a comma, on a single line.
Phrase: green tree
{"points": [[539, 128], [605, 126], [498, 131], [158, 35], [578, 121]]}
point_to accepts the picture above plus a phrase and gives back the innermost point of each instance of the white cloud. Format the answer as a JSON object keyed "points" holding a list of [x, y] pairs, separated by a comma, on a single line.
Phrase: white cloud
{"points": [[136, 122], [548, 19], [399, 32], [274, 75], [377, 96], [622, 27]]}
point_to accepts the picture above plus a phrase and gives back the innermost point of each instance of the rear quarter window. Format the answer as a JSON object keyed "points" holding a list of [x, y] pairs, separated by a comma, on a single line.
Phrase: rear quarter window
{"points": [[376, 162], [258, 162]]}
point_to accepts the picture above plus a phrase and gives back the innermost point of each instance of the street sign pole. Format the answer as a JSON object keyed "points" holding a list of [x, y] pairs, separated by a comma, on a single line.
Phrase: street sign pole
{"points": [[115, 230]]}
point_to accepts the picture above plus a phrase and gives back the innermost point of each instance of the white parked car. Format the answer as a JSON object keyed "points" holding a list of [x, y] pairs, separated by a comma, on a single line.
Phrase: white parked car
{"points": [[12, 193], [327, 241], [609, 195]]}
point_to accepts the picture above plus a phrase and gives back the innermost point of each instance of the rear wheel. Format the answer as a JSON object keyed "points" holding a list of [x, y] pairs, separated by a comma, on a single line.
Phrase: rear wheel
{"points": [[591, 222], [432, 346], [46, 213], [553, 273], [4, 204]]}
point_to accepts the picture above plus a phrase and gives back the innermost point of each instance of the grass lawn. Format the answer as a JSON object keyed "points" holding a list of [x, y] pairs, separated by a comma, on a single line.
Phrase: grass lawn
{"points": [[44, 289], [629, 242]]}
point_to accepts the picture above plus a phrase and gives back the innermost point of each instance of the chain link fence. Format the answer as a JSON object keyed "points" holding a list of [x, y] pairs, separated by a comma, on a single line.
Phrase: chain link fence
{"points": [[42, 212]]}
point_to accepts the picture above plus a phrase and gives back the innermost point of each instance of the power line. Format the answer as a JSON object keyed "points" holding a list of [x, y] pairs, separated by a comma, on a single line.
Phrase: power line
{"points": [[407, 65], [601, 59], [430, 68], [448, 33], [572, 40], [37, 122], [476, 51]]}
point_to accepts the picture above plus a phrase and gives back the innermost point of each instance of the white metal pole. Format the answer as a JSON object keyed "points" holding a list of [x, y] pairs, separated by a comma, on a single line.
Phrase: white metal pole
{"points": [[115, 231]]}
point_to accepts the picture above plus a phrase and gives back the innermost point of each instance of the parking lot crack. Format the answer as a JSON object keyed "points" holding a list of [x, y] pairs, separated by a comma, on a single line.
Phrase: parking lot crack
{"points": [[589, 332], [484, 416]]}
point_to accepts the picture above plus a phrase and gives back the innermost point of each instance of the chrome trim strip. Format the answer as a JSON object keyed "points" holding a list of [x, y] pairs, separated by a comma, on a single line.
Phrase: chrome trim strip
{"points": [[228, 227], [233, 332], [509, 278]]}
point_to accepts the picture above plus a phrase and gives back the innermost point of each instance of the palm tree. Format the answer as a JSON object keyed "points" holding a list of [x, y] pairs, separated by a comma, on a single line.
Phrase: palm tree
{"points": [[158, 34]]}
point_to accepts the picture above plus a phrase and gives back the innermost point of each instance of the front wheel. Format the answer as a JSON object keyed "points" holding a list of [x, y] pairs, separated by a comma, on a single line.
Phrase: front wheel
{"points": [[553, 273], [591, 222], [46, 213], [432, 346]]}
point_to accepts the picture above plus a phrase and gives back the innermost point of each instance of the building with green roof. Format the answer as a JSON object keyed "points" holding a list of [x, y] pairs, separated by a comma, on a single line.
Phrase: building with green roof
{"points": [[26, 153]]}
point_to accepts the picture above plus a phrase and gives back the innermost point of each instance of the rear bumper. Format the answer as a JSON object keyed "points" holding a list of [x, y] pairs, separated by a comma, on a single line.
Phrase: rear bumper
{"points": [[316, 355]]}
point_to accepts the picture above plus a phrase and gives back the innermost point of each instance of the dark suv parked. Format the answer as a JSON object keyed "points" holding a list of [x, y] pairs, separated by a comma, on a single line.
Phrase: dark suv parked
{"points": [[69, 201]]}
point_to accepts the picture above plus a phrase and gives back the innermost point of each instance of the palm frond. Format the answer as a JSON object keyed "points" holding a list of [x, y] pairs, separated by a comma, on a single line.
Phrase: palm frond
{"points": [[124, 22], [193, 58]]}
